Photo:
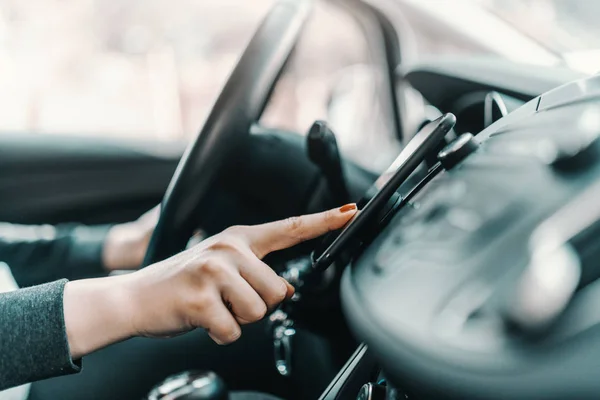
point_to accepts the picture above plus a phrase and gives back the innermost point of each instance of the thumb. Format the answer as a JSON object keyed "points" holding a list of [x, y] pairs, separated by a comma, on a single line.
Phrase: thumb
{"points": [[279, 235]]}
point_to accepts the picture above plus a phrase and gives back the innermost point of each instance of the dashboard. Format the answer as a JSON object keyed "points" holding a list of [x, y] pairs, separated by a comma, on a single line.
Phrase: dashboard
{"points": [[483, 285], [477, 90]]}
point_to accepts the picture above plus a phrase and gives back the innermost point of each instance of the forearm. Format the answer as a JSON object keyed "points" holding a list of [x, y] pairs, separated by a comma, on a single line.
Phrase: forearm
{"points": [[44, 328]]}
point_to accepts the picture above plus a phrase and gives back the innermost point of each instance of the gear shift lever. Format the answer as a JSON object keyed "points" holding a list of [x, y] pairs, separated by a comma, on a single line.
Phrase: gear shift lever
{"points": [[191, 385], [323, 151]]}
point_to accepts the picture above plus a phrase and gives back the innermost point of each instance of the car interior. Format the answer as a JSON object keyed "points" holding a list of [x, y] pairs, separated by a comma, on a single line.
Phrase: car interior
{"points": [[468, 272]]}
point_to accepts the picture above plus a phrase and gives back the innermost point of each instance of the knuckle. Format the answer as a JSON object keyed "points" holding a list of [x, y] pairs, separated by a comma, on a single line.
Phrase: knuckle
{"points": [[233, 335], [293, 224], [226, 243], [258, 312], [212, 268], [236, 230], [278, 293], [218, 243], [227, 335], [235, 245], [330, 219], [193, 309], [203, 301]]}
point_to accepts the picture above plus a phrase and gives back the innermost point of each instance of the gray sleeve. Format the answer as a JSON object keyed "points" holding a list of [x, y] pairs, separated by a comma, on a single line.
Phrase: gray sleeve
{"points": [[33, 340]]}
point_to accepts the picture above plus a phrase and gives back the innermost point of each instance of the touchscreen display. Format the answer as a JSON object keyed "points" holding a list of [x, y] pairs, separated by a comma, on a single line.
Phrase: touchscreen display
{"points": [[427, 139]]}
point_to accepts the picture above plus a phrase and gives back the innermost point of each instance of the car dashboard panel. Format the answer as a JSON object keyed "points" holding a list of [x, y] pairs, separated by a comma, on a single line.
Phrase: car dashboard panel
{"points": [[484, 285]]}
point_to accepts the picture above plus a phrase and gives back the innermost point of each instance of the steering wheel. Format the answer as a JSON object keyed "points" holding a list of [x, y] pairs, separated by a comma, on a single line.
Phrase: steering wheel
{"points": [[239, 105]]}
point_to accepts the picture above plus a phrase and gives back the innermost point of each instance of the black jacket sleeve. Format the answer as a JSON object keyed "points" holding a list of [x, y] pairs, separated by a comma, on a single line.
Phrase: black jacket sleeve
{"points": [[44, 253], [33, 342]]}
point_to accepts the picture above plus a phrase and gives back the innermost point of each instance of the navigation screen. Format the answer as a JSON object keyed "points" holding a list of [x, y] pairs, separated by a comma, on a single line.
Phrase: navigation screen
{"points": [[426, 140]]}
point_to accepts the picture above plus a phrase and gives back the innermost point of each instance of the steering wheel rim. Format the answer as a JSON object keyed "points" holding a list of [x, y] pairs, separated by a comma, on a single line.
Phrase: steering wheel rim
{"points": [[239, 105]]}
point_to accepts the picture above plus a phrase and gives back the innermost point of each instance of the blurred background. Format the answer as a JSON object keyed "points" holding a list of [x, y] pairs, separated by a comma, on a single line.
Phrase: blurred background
{"points": [[152, 68]]}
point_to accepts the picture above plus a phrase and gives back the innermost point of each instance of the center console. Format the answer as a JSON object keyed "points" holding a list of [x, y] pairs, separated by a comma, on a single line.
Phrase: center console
{"points": [[484, 282]]}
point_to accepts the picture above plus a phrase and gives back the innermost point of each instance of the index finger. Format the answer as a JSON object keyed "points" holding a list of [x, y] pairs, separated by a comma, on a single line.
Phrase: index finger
{"points": [[279, 235]]}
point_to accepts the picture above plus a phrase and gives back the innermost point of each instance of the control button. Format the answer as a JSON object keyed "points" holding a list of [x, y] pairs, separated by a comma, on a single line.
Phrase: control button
{"points": [[457, 150], [372, 391]]}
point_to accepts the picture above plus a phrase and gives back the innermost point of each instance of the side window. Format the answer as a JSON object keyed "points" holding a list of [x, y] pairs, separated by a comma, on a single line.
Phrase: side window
{"points": [[333, 75], [135, 68], [151, 69]]}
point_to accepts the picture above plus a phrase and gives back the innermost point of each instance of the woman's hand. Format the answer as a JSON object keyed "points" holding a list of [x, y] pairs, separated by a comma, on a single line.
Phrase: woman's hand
{"points": [[126, 244], [218, 285]]}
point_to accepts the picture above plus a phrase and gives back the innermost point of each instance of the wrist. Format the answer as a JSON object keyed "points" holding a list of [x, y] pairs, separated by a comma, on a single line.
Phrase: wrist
{"points": [[124, 248], [97, 312]]}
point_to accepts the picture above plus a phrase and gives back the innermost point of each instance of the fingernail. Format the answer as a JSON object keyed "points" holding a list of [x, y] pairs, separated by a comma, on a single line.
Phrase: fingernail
{"points": [[235, 336], [217, 341], [348, 207]]}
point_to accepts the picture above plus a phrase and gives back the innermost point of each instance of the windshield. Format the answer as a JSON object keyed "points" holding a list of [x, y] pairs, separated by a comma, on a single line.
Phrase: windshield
{"points": [[568, 28]]}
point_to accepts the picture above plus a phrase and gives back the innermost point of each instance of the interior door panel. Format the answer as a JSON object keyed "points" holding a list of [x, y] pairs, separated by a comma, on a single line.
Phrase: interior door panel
{"points": [[50, 179]]}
